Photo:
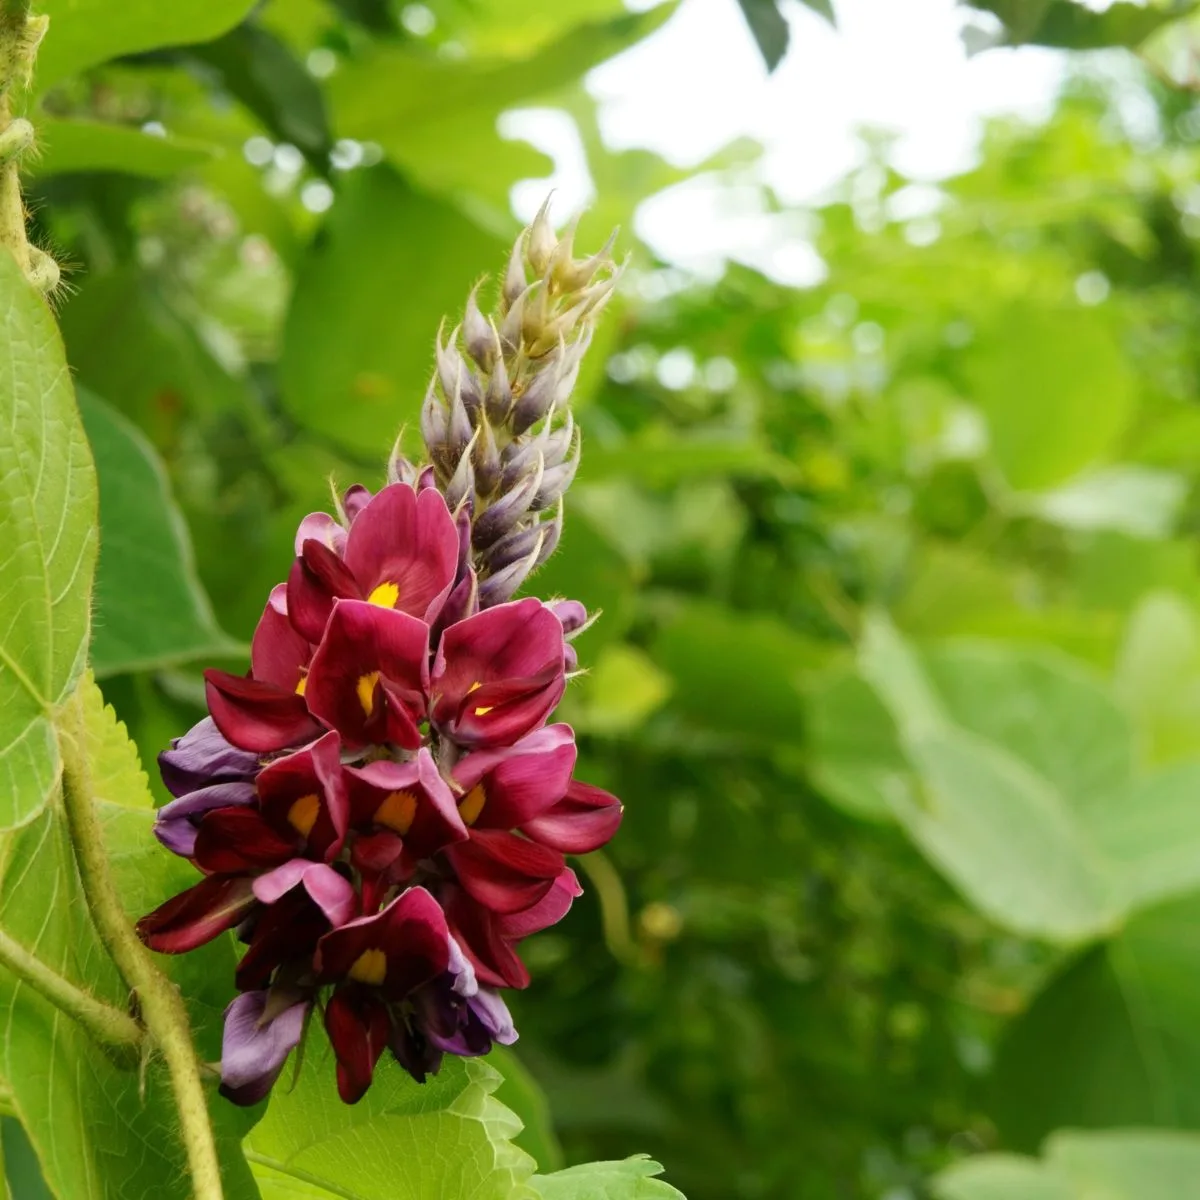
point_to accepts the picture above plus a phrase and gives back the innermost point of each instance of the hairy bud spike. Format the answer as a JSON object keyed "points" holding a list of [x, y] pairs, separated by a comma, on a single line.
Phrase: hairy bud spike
{"points": [[478, 334], [553, 529], [515, 280], [461, 485], [540, 241], [486, 460]]}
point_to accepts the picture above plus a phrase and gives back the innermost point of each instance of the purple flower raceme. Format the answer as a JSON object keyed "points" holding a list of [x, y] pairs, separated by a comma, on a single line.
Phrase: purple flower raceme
{"points": [[378, 808]]}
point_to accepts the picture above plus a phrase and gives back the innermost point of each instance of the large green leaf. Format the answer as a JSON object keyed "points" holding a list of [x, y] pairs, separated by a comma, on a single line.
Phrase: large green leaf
{"points": [[358, 346], [402, 1141], [101, 1131], [1117, 1165], [1028, 800], [453, 145], [1077, 26], [1056, 390], [627, 1179], [87, 32], [47, 544], [151, 610], [69, 145], [522, 1093], [1113, 1040]]}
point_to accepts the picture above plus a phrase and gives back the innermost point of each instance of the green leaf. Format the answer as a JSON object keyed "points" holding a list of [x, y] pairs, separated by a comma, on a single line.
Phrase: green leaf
{"points": [[370, 296], [769, 27], [402, 1141], [622, 689], [522, 1093], [1056, 391], [627, 1179], [87, 32], [1016, 753], [1115, 1165], [1158, 676], [151, 610], [1112, 1040], [453, 146], [20, 1163], [76, 145], [1142, 501], [1072, 25], [98, 1136], [736, 674], [263, 73], [47, 544]]}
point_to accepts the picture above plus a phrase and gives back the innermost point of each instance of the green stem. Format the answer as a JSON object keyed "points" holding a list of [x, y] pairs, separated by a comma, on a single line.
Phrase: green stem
{"points": [[161, 1005], [103, 1023]]}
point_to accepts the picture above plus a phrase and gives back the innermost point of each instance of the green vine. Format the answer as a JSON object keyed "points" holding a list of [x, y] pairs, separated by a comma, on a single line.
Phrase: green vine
{"points": [[20, 36], [161, 1004]]}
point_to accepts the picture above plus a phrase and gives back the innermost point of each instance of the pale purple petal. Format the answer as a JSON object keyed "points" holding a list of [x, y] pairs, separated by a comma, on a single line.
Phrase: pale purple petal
{"points": [[203, 756], [321, 527], [253, 1051], [493, 1015]]}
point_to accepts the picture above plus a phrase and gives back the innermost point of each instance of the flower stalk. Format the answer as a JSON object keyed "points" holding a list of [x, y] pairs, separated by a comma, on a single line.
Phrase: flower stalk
{"points": [[104, 1024], [161, 1004]]}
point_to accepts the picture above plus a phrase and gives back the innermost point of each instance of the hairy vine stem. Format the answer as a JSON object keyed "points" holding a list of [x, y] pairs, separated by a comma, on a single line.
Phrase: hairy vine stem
{"points": [[161, 1004], [103, 1023], [20, 35]]}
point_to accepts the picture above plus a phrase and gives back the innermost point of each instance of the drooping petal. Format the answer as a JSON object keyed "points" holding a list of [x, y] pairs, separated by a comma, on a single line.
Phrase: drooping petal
{"points": [[519, 782], [318, 577], [198, 915], [403, 550], [323, 528], [258, 716], [232, 840], [396, 950], [492, 1013], [504, 872], [358, 1026], [477, 931], [176, 822], [254, 1049], [204, 756], [369, 676], [304, 794], [278, 654], [548, 911], [583, 821]]}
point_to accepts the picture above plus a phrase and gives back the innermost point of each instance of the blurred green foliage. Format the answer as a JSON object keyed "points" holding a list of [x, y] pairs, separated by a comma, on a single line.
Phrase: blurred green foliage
{"points": [[899, 668]]}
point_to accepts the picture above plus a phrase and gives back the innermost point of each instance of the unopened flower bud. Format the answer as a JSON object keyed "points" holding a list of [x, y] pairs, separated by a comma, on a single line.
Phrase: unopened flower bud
{"points": [[435, 421], [572, 614], [501, 586], [486, 460], [502, 516], [534, 403], [457, 379], [515, 281], [461, 485], [513, 547], [513, 325], [481, 340], [555, 481], [498, 401], [540, 241], [553, 531]]}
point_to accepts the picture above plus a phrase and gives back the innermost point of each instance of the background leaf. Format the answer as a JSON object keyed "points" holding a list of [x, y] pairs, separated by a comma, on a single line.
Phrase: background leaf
{"points": [[632, 1179]]}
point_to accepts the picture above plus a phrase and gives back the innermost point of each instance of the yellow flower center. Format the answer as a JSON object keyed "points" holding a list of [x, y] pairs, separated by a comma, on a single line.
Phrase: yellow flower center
{"points": [[302, 816], [370, 967], [397, 812], [385, 595], [472, 804], [485, 709], [301, 685], [366, 691]]}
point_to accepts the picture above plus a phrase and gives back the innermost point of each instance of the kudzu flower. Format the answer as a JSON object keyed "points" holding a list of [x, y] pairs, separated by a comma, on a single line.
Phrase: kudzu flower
{"points": [[379, 808]]}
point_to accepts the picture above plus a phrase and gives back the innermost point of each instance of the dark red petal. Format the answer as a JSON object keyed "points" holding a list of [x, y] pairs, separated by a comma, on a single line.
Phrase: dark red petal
{"points": [[198, 915], [231, 840], [317, 578], [408, 542], [358, 1028], [504, 872], [477, 931], [257, 716], [583, 821], [278, 652], [285, 931], [548, 911], [522, 781], [304, 795], [374, 659]]}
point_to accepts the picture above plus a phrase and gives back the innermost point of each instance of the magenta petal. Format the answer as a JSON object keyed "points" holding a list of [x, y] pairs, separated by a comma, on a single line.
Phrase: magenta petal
{"points": [[477, 931], [364, 642], [436, 821], [321, 527], [583, 821], [409, 542], [358, 1026], [318, 577], [314, 771], [277, 652], [333, 894], [548, 911], [520, 781], [198, 915], [253, 1051], [502, 871], [257, 716]]}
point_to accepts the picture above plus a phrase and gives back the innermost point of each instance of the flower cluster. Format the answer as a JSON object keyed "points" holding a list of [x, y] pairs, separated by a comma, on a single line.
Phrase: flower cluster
{"points": [[379, 808]]}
